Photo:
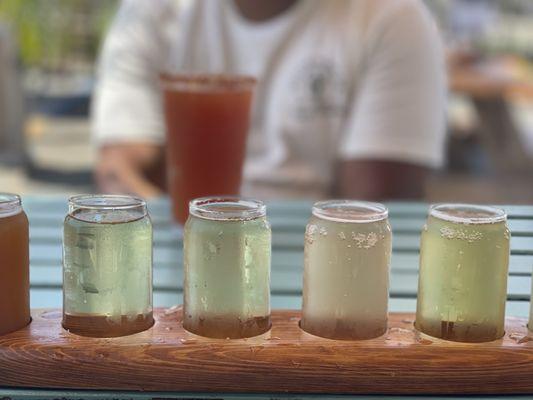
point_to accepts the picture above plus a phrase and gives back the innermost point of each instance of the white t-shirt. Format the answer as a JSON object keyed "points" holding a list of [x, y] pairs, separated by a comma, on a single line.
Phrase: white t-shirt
{"points": [[338, 80]]}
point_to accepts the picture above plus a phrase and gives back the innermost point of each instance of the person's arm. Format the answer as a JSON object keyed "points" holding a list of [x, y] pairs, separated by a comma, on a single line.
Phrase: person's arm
{"points": [[127, 122], [134, 168], [381, 180], [395, 134]]}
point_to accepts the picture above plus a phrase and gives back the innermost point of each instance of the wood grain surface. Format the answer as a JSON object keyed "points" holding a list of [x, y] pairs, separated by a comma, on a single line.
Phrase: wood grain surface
{"points": [[167, 358]]}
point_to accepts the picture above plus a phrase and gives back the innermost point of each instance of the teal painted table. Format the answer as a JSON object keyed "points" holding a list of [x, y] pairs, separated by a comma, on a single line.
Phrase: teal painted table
{"points": [[288, 219]]}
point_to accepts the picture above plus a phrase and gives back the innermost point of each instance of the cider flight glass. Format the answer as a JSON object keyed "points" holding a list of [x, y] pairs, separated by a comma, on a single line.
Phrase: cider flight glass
{"points": [[227, 249], [14, 265], [346, 270], [464, 261], [107, 266]]}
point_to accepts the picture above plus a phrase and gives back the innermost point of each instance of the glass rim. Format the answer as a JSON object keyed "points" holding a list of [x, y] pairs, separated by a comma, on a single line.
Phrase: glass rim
{"points": [[485, 214], [246, 208], [10, 204], [351, 211], [83, 201], [9, 199], [207, 82]]}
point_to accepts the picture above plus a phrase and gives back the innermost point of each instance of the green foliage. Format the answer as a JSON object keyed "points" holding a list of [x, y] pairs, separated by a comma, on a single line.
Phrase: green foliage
{"points": [[51, 33]]}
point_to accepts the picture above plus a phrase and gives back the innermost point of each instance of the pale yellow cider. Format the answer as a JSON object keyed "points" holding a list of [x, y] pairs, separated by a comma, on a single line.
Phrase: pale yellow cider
{"points": [[107, 271], [227, 272], [346, 275], [464, 260]]}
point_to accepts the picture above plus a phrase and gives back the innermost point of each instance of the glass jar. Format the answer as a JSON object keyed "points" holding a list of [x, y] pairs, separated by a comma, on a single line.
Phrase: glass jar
{"points": [[107, 266], [227, 246], [530, 324], [346, 270], [15, 265], [464, 259]]}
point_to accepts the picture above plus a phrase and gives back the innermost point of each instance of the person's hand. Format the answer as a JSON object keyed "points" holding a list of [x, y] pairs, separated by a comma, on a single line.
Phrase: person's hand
{"points": [[133, 168]]}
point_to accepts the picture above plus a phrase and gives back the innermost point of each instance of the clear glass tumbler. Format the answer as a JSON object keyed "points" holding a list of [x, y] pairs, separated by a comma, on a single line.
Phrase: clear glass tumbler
{"points": [[207, 118], [530, 324], [346, 270], [464, 259], [227, 246], [107, 266]]}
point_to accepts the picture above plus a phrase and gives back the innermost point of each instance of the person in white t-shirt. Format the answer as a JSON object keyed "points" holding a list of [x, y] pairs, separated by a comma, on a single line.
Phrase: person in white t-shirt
{"points": [[350, 101]]}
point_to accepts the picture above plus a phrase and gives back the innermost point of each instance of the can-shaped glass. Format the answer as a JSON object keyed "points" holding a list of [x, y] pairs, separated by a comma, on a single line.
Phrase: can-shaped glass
{"points": [[227, 248], [464, 261], [346, 270], [530, 324], [14, 265], [107, 266]]}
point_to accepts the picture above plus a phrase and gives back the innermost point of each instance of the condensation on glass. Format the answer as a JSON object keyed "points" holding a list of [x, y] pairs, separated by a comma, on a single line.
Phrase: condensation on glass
{"points": [[14, 265], [227, 249], [464, 259], [346, 270], [107, 266]]}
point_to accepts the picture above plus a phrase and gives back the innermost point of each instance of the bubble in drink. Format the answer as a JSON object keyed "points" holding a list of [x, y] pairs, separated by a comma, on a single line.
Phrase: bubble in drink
{"points": [[107, 266], [464, 258]]}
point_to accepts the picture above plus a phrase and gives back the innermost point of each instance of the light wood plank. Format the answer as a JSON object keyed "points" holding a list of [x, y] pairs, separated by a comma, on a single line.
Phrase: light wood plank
{"points": [[403, 284], [284, 241], [281, 259], [46, 204], [521, 262], [52, 229], [52, 298], [289, 223]]}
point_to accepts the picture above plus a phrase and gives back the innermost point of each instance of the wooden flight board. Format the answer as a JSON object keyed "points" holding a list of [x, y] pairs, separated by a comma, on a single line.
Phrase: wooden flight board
{"points": [[167, 358]]}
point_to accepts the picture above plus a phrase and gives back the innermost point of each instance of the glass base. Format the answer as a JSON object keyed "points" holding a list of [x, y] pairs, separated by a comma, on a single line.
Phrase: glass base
{"points": [[223, 327], [344, 330], [13, 327], [104, 326], [461, 331]]}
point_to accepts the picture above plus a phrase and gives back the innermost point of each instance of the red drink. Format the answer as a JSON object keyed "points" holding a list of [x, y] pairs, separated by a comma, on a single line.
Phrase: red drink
{"points": [[207, 124]]}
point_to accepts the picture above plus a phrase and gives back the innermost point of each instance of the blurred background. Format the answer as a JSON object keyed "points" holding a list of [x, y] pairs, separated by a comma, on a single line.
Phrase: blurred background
{"points": [[48, 53]]}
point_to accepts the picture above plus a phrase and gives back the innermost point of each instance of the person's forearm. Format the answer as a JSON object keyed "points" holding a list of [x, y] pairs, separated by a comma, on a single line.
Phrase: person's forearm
{"points": [[135, 168], [380, 180], [120, 180]]}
